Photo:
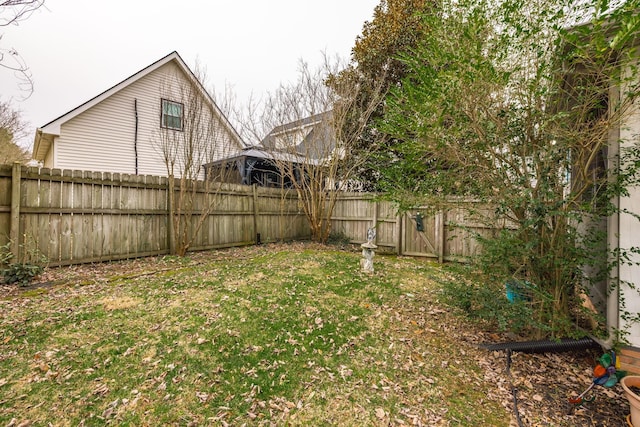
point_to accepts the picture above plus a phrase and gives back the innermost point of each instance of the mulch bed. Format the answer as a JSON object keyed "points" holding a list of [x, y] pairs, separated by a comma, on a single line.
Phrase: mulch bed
{"points": [[545, 382]]}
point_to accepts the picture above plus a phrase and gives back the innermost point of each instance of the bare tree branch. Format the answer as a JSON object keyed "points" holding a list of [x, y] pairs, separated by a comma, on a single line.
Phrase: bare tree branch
{"points": [[14, 11], [11, 13], [11, 61], [304, 123], [198, 138], [12, 127]]}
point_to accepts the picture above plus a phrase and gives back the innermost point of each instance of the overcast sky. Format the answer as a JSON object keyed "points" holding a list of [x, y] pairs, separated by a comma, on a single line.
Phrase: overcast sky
{"points": [[76, 49]]}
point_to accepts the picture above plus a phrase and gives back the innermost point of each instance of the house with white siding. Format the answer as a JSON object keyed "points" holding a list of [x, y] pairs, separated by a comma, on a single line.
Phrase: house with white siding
{"points": [[623, 231], [618, 297], [135, 125]]}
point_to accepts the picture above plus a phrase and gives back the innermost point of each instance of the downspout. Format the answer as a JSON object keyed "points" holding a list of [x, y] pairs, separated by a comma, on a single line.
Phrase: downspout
{"points": [[613, 289], [135, 136], [613, 236], [613, 302]]}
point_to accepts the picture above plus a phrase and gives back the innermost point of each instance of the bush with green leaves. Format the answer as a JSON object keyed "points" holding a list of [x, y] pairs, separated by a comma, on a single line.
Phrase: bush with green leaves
{"points": [[486, 301], [21, 274], [18, 273], [509, 104]]}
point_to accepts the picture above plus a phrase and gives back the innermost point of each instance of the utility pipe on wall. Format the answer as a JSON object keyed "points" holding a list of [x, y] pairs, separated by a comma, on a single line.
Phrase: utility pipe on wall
{"points": [[613, 233], [135, 136]]}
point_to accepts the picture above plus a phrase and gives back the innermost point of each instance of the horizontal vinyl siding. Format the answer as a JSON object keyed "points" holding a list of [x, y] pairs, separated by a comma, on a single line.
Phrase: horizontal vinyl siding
{"points": [[102, 138], [629, 233], [149, 94]]}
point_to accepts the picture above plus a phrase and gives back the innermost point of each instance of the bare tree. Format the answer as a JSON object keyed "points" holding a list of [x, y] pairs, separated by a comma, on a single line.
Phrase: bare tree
{"points": [[12, 127], [304, 123], [12, 12], [194, 133]]}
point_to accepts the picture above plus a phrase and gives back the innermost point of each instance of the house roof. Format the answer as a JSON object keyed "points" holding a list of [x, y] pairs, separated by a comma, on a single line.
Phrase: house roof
{"points": [[45, 134], [308, 141], [306, 121], [261, 153], [311, 137]]}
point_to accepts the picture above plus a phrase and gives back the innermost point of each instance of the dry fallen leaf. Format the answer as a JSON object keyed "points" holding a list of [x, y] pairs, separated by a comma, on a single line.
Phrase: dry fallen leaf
{"points": [[202, 396], [101, 390]]}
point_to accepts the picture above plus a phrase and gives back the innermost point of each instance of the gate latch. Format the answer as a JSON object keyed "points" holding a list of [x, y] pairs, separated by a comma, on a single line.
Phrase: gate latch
{"points": [[419, 222]]}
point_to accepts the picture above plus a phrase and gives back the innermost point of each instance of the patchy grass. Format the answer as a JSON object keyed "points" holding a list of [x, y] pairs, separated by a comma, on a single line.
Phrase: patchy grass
{"points": [[264, 335]]}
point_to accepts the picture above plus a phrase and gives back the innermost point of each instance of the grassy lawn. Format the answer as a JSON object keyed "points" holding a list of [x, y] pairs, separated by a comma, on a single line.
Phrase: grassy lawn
{"points": [[269, 335]]}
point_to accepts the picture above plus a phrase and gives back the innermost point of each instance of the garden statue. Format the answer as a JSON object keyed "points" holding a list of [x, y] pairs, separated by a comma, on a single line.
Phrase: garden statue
{"points": [[366, 263]]}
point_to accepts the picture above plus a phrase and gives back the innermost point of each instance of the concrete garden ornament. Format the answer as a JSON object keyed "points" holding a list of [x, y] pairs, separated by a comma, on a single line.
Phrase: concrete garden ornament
{"points": [[366, 263]]}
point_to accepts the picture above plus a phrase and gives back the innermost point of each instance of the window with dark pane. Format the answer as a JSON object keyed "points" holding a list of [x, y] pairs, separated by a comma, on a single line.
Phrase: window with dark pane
{"points": [[171, 115]]}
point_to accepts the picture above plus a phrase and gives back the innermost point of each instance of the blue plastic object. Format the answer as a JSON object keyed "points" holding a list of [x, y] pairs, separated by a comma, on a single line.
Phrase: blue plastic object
{"points": [[516, 290]]}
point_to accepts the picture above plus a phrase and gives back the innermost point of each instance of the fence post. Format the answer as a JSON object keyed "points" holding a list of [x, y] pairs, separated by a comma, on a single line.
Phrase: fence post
{"points": [[375, 220], [440, 229], [399, 233], [171, 236], [14, 231], [255, 214]]}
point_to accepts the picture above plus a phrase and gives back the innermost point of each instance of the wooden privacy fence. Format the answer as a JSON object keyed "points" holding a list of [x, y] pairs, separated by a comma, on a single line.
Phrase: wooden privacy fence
{"points": [[448, 235], [73, 217]]}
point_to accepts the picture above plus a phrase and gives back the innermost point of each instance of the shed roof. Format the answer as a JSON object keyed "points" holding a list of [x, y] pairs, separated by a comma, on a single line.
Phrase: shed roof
{"points": [[261, 153]]}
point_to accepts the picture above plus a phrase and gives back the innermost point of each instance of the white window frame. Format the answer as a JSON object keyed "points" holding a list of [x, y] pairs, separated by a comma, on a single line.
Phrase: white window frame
{"points": [[168, 120]]}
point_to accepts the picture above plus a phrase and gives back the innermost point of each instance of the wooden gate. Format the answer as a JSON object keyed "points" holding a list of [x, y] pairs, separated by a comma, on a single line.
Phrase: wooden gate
{"points": [[423, 234]]}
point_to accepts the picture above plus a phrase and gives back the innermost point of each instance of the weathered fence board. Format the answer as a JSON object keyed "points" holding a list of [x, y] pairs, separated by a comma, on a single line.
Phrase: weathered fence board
{"points": [[447, 235], [80, 216], [74, 217]]}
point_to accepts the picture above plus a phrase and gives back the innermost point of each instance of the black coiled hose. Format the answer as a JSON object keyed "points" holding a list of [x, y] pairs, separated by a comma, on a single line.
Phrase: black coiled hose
{"points": [[565, 344]]}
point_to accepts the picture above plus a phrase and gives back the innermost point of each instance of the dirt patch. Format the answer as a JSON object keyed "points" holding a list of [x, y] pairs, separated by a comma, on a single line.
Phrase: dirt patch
{"points": [[120, 303]]}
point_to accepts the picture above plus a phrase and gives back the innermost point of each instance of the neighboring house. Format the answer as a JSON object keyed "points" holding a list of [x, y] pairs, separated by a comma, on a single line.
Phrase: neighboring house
{"points": [[623, 230], [619, 297], [311, 137], [124, 128], [296, 147]]}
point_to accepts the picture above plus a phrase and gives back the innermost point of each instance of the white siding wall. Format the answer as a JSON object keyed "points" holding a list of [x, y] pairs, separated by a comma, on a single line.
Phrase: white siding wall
{"points": [[629, 236], [102, 138], [48, 159]]}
